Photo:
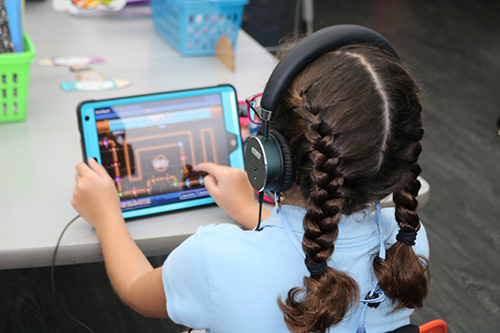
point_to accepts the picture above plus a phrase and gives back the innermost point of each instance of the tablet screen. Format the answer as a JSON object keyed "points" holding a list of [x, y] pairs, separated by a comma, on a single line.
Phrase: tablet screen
{"points": [[149, 147]]}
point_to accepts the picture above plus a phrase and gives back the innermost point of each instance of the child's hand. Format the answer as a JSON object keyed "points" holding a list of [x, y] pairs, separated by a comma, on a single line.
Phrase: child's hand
{"points": [[95, 196], [231, 191]]}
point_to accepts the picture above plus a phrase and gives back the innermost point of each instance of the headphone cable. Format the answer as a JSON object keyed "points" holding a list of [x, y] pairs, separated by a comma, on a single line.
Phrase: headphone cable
{"points": [[261, 200], [52, 277]]}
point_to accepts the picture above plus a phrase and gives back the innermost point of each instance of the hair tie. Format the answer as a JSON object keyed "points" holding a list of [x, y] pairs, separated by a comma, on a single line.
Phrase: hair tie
{"points": [[315, 268], [407, 238]]}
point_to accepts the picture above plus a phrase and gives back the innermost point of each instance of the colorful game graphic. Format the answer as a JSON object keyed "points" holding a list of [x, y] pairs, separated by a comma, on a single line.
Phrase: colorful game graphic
{"points": [[150, 150]]}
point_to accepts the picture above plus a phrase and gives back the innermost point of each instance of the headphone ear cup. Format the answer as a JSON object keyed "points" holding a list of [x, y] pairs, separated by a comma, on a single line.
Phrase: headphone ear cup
{"points": [[288, 175]]}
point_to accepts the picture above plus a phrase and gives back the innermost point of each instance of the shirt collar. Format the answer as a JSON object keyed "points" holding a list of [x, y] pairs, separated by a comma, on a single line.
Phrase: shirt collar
{"points": [[295, 216]]}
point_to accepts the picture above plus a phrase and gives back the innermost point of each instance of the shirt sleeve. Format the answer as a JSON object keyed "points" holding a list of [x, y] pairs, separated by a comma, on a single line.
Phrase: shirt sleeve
{"points": [[186, 284]]}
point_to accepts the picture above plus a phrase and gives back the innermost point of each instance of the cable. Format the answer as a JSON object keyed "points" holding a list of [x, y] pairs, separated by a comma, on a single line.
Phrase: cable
{"points": [[52, 277], [261, 200]]}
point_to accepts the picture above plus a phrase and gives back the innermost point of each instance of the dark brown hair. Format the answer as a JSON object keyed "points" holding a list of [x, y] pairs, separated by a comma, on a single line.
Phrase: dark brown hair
{"points": [[353, 121]]}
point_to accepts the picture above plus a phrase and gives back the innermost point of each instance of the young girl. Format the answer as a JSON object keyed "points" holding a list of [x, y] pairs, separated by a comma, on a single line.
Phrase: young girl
{"points": [[352, 119]]}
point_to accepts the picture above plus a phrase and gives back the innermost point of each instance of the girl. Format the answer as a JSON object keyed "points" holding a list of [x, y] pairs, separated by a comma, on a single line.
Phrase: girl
{"points": [[352, 119]]}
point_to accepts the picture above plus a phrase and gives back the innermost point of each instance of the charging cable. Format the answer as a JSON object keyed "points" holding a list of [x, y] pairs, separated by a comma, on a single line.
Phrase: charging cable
{"points": [[52, 277]]}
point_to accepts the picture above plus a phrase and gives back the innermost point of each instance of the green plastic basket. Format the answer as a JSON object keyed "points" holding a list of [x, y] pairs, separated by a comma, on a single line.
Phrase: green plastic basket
{"points": [[14, 81]]}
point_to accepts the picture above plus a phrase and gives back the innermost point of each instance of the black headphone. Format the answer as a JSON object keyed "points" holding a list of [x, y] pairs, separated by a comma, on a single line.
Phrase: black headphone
{"points": [[268, 158]]}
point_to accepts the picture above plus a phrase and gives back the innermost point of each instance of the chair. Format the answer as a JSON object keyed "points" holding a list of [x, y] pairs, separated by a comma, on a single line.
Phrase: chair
{"points": [[434, 326]]}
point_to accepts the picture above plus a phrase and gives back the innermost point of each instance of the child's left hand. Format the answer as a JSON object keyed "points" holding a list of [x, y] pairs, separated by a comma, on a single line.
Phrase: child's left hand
{"points": [[95, 196]]}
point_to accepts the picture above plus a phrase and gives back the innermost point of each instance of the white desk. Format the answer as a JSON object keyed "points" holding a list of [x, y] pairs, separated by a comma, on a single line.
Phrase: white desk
{"points": [[38, 156]]}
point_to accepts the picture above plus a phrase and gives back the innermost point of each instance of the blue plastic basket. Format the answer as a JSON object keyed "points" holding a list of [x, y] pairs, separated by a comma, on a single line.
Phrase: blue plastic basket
{"points": [[193, 27]]}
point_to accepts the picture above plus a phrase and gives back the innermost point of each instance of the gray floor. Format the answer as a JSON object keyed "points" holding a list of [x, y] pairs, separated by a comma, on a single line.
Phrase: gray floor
{"points": [[453, 48]]}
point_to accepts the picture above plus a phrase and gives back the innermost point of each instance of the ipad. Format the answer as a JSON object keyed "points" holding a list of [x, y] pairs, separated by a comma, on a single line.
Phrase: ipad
{"points": [[150, 143]]}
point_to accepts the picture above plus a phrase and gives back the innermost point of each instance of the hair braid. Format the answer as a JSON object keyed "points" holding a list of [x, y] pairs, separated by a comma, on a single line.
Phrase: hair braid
{"points": [[331, 294], [406, 202], [324, 205], [402, 275]]}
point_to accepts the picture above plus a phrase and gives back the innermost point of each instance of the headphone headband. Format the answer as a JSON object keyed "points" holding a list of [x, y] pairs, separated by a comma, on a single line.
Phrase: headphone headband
{"points": [[312, 47], [268, 159]]}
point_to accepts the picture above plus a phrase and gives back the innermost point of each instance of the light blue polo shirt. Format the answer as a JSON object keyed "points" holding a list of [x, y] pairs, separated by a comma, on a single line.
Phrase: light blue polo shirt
{"points": [[227, 280]]}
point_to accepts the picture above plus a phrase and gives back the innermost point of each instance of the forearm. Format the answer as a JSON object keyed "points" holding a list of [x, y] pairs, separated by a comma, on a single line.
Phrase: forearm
{"points": [[132, 276], [128, 268], [124, 260]]}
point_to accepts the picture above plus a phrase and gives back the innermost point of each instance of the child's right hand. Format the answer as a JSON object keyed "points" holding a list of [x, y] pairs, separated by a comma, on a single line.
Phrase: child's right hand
{"points": [[232, 191]]}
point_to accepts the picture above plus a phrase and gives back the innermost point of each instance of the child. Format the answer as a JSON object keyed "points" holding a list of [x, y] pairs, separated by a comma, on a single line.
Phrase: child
{"points": [[352, 119]]}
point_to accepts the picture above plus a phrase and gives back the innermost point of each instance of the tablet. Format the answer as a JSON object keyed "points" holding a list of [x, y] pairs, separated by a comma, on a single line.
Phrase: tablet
{"points": [[150, 143]]}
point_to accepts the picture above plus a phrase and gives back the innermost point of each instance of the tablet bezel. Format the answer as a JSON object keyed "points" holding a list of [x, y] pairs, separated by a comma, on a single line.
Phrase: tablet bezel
{"points": [[90, 142]]}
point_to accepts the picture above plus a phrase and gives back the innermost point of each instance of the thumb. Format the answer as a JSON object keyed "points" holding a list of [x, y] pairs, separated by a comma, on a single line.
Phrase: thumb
{"points": [[99, 169], [210, 183]]}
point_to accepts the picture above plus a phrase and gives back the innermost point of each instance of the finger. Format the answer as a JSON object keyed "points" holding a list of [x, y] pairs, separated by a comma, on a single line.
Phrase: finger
{"points": [[78, 178], [73, 200], [99, 169], [210, 183], [82, 169], [207, 167]]}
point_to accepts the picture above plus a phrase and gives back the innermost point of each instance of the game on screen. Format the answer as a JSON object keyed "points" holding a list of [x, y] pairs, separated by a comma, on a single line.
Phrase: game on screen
{"points": [[149, 149]]}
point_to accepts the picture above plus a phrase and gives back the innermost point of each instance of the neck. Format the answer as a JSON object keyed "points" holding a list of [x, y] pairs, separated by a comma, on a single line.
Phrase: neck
{"points": [[293, 197]]}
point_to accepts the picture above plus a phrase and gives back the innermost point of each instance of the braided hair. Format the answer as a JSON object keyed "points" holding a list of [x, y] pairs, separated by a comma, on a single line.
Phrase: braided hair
{"points": [[353, 121]]}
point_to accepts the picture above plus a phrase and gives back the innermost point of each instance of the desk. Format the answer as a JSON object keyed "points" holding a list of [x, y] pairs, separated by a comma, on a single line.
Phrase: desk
{"points": [[38, 156]]}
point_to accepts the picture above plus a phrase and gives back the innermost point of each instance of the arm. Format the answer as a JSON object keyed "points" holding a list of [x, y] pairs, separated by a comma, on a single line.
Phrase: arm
{"points": [[132, 276], [232, 192]]}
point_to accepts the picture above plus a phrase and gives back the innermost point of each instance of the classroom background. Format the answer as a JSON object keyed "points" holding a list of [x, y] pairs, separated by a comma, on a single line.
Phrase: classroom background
{"points": [[453, 49]]}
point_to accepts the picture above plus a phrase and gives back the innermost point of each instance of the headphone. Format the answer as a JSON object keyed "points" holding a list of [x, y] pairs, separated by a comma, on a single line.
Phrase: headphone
{"points": [[268, 159]]}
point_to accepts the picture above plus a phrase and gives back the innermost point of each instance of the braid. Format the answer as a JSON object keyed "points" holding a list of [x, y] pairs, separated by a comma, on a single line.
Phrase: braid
{"points": [[324, 205], [406, 202], [330, 294], [402, 275]]}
